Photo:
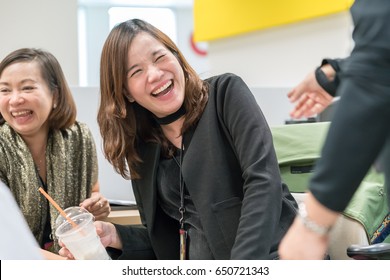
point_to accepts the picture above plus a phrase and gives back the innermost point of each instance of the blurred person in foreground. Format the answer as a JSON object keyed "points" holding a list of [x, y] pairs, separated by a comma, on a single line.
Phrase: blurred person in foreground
{"points": [[359, 131], [14, 227]]}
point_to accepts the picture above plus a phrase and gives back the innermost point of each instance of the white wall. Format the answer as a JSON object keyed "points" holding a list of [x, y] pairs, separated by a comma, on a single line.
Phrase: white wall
{"points": [[282, 56], [97, 29], [112, 185], [47, 24], [185, 27]]}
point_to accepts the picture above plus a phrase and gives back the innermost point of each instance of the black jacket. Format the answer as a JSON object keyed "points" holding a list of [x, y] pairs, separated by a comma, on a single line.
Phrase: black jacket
{"points": [[360, 130], [231, 172]]}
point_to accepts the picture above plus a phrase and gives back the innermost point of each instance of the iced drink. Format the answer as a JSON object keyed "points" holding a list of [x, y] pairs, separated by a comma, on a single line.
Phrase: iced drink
{"points": [[81, 240]]}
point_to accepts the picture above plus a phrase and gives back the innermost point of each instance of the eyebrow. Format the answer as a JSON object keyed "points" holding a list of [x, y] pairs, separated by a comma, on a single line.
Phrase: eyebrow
{"points": [[153, 54], [28, 80], [21, 82]]}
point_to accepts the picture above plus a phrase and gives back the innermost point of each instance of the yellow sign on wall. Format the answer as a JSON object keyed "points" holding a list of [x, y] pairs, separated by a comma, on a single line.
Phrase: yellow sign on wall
{"points": [[214, 19]]}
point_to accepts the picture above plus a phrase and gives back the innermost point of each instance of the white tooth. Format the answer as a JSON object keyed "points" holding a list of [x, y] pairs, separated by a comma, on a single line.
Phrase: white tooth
{"points": [[162, 88], [15, 114]]}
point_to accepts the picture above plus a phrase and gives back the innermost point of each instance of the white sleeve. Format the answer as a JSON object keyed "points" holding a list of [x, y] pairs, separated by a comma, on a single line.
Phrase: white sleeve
{"points": [[16, 240]]}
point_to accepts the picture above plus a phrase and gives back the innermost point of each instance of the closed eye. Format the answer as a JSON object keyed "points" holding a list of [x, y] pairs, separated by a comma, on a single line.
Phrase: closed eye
{"points": [[28, 88], [5, 90], [159, 57], [135, 72]]}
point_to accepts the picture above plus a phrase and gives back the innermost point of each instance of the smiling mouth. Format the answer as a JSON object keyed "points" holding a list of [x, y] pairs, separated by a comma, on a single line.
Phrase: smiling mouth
{"points": [[163, 89], [21, 113]]}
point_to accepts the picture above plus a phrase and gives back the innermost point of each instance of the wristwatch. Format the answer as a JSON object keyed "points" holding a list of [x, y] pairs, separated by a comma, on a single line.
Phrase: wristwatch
{"points": [[329, 86], [310, 224]]}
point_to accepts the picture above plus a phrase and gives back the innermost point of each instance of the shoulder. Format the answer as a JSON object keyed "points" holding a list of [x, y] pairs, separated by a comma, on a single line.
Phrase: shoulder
{"points": [[4, 134], [78, 132], [5, 129], [224, 79], [79, 128], [7, 134], [226, 87]]}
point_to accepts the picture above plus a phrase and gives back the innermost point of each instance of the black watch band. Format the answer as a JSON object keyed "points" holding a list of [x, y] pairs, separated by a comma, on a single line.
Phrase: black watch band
{"points": [[335, 63], [329, 86]]}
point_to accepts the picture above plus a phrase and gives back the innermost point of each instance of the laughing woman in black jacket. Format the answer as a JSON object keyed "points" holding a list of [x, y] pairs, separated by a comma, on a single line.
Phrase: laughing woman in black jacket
{"points": [[199, 153]]}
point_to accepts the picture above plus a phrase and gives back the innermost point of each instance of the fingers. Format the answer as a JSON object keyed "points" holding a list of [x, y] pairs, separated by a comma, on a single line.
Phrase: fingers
{"points": [[309, 84], [323, 98], [311, 103], [101, 209], [303, 103], [104, 232], [108, 235], [64, 252], [309, 98], [294, 94], [303, 107], [97, 205]]}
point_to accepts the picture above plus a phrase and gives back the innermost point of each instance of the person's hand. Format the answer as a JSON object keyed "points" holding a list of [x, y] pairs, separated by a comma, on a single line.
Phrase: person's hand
{"points": [[64, 252], [309, 98], [98, 205], [108, 236], [51, 256], [301, 244]]}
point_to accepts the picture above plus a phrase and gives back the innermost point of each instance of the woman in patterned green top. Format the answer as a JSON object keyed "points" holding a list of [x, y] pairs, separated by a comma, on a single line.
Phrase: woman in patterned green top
{"points": [[42, 144]]}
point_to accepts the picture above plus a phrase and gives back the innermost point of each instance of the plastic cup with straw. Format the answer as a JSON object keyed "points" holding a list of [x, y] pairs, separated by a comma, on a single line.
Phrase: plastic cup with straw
{"points": [[75, 228]]}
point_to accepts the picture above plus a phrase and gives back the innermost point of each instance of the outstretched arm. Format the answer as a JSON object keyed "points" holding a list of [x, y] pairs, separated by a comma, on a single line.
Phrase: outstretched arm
{"points": [[309, 96]]}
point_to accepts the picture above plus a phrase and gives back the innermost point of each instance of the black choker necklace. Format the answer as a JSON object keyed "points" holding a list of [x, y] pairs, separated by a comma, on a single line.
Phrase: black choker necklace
{"points": [[172, 117]]}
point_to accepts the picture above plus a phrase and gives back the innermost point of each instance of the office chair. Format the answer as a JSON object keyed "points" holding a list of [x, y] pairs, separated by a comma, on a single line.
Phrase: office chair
{"points": [[379, 251], [297, 147]]}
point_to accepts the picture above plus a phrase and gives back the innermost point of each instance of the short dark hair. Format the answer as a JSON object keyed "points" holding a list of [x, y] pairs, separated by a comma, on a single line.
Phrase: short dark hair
{"points": [[64, 115]]}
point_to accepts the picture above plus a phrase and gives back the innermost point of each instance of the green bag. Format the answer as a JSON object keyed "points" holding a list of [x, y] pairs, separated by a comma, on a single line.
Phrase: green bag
{"points": [[298, 146]]}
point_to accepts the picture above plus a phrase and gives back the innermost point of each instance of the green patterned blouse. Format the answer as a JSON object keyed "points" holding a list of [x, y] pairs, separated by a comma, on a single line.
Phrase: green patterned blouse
{"points": [[72, 170]]}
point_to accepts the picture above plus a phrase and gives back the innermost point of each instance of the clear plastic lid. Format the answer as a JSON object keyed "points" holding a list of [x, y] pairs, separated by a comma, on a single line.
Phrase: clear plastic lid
{"points": [[72, 213]]}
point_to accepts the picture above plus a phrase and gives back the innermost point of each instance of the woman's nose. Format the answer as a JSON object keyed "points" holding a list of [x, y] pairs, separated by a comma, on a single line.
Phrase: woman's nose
{"points": [[154, 73], [16, 99]]}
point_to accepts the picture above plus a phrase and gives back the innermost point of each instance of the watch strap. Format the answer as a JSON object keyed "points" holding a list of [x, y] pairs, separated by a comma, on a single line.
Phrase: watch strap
{"points": [[310, 224]]}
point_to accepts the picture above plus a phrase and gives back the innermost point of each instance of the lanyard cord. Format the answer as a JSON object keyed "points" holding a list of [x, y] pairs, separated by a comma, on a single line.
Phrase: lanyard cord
{"points": [[181, 185], [181, 188], [182, 231]]}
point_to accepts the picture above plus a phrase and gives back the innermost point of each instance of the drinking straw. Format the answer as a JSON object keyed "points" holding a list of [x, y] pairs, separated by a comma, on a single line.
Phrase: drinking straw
{"points": [[62, 212]]}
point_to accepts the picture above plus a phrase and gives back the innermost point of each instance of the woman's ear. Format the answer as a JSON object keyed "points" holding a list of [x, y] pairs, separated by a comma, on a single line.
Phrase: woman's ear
{"points": [[131, 99], [55, 98], [128, 95]]}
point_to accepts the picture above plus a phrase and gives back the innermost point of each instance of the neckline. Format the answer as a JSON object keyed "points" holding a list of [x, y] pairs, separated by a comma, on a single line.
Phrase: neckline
{"points": [[172, 117]]}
